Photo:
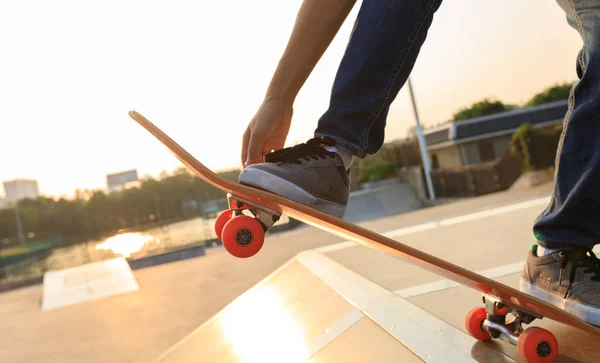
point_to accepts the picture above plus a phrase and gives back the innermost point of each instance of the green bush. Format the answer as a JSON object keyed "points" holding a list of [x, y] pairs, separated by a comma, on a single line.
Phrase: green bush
{"points": [[557, 92], [519, 145], [377, 171], [481, 108], [536, 148]]}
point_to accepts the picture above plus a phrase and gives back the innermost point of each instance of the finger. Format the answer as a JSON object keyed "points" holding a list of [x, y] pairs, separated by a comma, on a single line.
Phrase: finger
{"points": [[255, 151], [245, 141]]}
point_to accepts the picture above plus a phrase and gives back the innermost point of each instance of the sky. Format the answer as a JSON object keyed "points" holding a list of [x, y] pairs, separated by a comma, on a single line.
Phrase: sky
{"points": [[71, 70]]}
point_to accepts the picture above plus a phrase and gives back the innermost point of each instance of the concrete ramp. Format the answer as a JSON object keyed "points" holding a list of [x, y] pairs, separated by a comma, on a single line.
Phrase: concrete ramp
{"points": [[87, 282], [393, 197], [313, 309]]}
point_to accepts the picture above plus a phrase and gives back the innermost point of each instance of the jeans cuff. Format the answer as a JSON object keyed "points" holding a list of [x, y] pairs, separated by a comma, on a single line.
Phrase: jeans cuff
{"points": [[345, 145], [558, 246]]}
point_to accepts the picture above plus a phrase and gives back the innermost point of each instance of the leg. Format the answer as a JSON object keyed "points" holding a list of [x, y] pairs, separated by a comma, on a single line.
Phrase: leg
{"points": [[382, 51], [567, 273], [384, 45], [572, 218]]}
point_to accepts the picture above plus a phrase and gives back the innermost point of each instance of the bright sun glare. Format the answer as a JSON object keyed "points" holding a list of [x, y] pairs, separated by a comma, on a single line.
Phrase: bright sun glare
{"points": [[125, 244], [260, 328]]}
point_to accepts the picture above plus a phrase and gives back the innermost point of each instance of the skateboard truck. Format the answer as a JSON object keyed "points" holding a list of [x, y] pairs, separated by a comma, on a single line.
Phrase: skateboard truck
{"points": [[243, 235], [534, 344], [264, 215], [496, 323]]}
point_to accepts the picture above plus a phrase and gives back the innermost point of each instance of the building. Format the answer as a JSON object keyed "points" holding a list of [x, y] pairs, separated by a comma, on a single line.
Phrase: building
{"points": [[121, 180], [18, 189], [482, 139], [4, 203]]}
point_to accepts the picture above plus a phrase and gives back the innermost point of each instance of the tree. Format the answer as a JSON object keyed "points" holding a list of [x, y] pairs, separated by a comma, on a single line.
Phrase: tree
{"points": [[557, 92], [94, 213], [481, 108]]}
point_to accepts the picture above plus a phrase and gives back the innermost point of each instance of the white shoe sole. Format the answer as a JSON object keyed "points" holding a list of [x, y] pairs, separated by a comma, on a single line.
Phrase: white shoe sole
{"points": [[584, 312], [263, 180]]}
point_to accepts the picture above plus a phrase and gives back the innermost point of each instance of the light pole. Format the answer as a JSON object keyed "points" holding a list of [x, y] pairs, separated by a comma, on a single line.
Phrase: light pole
{"points": [[422, 144], [19, 225]]}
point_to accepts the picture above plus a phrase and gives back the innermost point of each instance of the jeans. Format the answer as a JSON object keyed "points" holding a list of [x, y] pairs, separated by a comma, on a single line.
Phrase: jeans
{"points": [[381, 53], [573, 216]]}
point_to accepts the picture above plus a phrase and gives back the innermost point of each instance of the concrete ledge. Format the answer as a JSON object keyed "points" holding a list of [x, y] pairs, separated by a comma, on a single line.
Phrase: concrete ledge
{"points": [[87, 282], [172, 256], [13, 285], [532, 179]]}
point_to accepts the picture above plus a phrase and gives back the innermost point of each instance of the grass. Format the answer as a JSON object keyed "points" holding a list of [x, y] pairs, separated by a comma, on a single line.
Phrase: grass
{"points": [[13, 251]]}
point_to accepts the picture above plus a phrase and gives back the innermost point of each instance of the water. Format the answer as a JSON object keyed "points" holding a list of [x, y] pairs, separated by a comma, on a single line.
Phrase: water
{"points": [[132, 245]]}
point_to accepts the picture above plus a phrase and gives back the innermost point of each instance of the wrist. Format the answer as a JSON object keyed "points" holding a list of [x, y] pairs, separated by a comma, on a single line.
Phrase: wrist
{"points": [[285, 99]]}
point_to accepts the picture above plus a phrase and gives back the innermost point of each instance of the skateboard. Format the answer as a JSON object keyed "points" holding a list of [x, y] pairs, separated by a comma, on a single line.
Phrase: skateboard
{"points": [[253, 211]]}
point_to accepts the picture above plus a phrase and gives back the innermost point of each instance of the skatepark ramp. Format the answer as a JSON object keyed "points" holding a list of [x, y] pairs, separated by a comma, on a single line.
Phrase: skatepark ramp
{"points": [[87, 282], [391, 198], [313, 309]]}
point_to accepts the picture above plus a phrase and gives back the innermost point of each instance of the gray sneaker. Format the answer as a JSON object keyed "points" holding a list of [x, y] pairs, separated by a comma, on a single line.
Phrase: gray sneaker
{"points": [[568, 279], [305, 173]]}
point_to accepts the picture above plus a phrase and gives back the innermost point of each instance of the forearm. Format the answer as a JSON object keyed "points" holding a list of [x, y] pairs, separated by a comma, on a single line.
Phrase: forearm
{"points": [[317, 23]]}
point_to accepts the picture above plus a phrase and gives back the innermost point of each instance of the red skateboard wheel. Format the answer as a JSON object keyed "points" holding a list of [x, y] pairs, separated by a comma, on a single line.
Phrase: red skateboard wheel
{"points": [[537, 345], [243, 236], [473, 324], [221, 220], [501, 311]]}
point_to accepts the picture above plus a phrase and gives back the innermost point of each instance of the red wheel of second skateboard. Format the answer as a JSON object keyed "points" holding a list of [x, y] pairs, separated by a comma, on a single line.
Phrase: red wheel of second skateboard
{"points": [[537, 345], [221, 220], [243, 236], [473, 324], [501, 311]]}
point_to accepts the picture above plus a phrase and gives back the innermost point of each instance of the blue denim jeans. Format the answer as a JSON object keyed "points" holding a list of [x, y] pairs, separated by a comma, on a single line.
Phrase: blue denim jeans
{"points": [[380, 55], [573, 216]]}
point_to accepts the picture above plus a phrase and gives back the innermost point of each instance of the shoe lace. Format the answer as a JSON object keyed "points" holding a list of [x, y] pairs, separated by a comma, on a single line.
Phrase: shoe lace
{"points": [[312, 149], [581, 259]]}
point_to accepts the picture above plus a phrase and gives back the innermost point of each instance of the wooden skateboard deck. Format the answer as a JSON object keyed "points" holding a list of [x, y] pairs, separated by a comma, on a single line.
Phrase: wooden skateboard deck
{"points": [[509, 297]]}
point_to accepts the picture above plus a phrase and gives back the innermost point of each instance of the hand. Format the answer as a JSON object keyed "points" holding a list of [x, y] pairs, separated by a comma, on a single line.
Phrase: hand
{"points": [[267, 131]]}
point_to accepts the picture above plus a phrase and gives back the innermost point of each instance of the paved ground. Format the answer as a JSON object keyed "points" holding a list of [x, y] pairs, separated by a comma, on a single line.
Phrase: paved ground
{"points": [[176, 298]]}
